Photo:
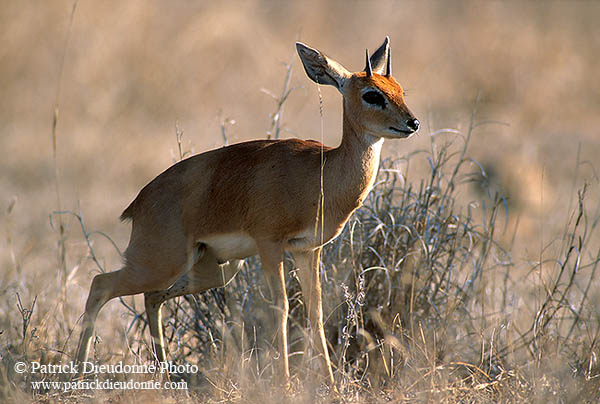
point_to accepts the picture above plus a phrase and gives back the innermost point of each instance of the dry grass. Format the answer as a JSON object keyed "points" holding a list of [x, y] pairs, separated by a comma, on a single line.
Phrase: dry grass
{"points": [[469, 275]]}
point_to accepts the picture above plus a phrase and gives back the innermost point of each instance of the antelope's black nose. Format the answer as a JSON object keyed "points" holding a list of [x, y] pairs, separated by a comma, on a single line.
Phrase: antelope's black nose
{"points": [[413, 124]]}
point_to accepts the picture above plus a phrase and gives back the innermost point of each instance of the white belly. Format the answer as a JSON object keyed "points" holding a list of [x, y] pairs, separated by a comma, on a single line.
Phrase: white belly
{"points": [[308, 240], [239, 245], [231, 246]]}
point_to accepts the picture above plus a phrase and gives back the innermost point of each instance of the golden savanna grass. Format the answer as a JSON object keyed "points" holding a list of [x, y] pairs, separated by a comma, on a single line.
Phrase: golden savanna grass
{"points": [[469, 275]]}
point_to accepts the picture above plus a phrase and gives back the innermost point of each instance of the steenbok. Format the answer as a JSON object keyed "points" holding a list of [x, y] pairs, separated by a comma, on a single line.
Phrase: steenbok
{"points": [[194, 222]]}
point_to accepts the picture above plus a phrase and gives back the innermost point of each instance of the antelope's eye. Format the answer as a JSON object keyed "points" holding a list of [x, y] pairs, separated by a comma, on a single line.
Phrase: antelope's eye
{"points": [[374, 98]]}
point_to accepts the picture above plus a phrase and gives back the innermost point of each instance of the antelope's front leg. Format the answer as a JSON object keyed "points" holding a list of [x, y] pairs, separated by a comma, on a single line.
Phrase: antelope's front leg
{"points": [[310, 281], [271, 256]]}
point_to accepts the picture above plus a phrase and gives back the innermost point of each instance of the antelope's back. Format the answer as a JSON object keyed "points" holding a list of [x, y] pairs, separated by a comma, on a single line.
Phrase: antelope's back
{"points": [[243, 187]]}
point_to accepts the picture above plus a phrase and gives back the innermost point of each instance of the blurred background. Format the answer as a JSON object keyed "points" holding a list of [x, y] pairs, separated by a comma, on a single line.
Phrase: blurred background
{"points": [[134, 71]]}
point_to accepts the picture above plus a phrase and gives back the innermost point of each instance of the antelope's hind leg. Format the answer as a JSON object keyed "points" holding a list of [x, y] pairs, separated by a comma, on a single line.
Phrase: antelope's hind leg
{"points": [[205, 274], [105, 287]]}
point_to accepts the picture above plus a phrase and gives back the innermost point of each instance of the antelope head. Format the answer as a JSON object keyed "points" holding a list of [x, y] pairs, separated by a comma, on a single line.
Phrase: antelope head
{"points": [[373, 100]]}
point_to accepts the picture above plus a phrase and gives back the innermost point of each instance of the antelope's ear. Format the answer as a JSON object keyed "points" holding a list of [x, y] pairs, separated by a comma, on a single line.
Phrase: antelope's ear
{"points": [[380, 56], [320, 68]]}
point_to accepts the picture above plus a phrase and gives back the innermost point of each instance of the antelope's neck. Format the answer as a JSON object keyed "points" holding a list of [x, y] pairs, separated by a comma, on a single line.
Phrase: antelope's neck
{"points": [[353, 165]]}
